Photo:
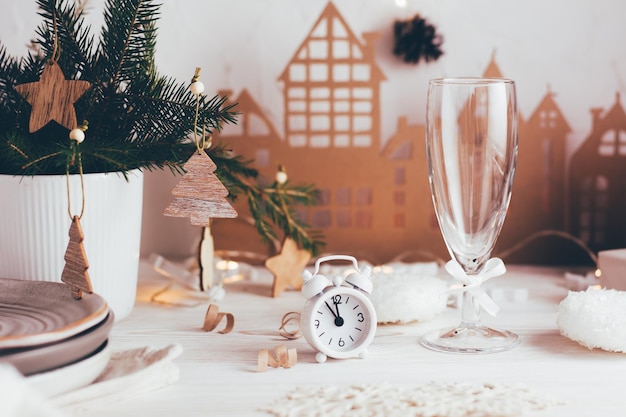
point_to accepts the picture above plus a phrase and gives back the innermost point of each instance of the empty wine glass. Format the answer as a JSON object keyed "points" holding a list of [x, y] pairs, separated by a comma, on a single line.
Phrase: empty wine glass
{"points": [[471, 140]]}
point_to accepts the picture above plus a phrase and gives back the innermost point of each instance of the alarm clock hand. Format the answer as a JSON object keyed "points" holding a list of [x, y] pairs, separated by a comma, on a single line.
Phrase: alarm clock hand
{"points": [[331, 309], [338, 319]]}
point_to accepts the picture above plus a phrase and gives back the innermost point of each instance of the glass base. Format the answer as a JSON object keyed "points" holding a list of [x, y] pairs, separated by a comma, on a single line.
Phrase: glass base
{"points": [[470, 338]]}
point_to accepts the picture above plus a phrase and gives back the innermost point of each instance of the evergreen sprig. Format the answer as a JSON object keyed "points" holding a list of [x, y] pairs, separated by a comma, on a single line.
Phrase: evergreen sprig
{"points": [[137, 117], [272, 206]]}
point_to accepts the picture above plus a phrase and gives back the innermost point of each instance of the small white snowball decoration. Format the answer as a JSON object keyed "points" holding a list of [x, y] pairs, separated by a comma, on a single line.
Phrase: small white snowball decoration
{"points": [[77, 134], [408, 293], [595, 318]]}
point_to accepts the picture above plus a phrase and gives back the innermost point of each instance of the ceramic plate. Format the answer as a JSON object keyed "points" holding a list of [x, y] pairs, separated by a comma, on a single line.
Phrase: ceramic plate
{"points": [[40, 312], [53, 355], [75, 375]]}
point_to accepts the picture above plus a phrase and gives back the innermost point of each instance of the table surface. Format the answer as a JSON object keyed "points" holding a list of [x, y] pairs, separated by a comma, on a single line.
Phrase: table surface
{"points": [[218, 371]]}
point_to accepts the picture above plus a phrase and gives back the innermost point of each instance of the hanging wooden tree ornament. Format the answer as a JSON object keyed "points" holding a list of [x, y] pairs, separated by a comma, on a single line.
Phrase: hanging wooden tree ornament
{"points": [[76, 265], [75, 271], [52, 97], [200, 195]]}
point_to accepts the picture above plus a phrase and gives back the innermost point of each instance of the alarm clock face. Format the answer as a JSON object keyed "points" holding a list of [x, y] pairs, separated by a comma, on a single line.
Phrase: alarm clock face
{"points": [[340, 323]]}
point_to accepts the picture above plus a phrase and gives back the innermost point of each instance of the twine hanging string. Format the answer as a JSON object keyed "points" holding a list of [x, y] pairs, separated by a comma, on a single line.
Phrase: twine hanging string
{"points": [[75, 157], [55, 46], [197, 88]]}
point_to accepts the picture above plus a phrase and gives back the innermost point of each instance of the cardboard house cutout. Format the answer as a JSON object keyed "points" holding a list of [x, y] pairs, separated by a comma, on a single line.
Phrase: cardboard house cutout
{"points": [[375, 200], [598, 181]]}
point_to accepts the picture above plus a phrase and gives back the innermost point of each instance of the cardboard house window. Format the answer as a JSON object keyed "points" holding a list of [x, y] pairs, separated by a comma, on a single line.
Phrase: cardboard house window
{"points": [[344, 218], [262, 157], [341, 49], [363, 219], [613, 142], [297, 141], [363, 197], [342, 196], [342, 141], [318, 49], [323, 198], [400, 176], [320, 141], [321, 218], [594, 204], [548, 118], [547, 175]]}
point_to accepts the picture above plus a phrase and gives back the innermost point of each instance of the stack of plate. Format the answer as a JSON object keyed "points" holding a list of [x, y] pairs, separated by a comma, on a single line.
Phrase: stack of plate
{"points": [[57, 342]]}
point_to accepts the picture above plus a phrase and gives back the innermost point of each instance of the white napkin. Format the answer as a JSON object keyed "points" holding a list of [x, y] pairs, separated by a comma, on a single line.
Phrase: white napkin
{"points": [[18, 399], [128, 373]]}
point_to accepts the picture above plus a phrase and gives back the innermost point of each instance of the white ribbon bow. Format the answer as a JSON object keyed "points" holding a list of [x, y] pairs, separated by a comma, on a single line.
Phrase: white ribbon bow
{"points": [[472, 283]]}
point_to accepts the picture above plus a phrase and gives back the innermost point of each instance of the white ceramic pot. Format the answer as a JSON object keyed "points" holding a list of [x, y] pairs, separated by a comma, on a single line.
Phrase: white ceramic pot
{"points": [[34, 226]]}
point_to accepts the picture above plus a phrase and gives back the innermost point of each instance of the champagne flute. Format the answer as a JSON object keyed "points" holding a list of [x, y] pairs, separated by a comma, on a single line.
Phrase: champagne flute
{"points": [[471, 141]]}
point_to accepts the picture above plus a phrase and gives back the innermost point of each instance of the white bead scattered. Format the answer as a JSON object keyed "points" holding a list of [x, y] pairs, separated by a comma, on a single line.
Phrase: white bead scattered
{"points": [[595, 318], [77, 134], [440, 399]]}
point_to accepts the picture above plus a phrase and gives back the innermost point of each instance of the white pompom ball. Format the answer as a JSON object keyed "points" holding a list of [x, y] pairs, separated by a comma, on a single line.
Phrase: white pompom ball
{"points": [[196, 88], [78, 135], [406, 296], [595, 318]]}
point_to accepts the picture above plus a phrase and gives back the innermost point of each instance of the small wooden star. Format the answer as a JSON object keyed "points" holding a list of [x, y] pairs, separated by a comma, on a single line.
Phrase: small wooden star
{"points": [[52, 98], [287, 267]]}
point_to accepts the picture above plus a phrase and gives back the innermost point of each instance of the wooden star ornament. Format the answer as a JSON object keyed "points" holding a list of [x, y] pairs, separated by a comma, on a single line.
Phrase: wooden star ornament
{"points": [[52, 98], [287, 267]]}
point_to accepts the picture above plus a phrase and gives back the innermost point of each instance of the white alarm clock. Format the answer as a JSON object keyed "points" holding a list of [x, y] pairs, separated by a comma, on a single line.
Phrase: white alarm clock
{"points": [[338, 319]]}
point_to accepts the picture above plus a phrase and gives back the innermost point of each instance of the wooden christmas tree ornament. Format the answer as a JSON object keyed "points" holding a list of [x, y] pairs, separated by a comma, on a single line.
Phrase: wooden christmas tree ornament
{"points": [[75, 272], [200, 195], [52, 97], [287, 267]]}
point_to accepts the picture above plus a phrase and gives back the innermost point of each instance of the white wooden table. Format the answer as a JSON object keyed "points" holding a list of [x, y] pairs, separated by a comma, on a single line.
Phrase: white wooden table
{"points": [[219, 378]]}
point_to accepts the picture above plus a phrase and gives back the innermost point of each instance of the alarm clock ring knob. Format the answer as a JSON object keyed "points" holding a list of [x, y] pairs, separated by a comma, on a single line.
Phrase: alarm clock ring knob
{"points": [[313, 284], [361, 280]]}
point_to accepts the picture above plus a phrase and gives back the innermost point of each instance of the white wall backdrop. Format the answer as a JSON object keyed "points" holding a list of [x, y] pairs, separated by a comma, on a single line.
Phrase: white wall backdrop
{"points": [[575, 48]]}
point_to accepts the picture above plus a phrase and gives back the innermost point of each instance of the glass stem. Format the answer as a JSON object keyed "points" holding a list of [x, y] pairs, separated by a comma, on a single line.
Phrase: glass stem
{"points": [[470, 311]]}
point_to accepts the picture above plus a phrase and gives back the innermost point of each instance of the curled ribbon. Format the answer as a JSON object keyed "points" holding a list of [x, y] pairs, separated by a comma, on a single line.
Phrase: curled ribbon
{"points": [[292, 316], [213, 318], [283, 357], [472, 283]]}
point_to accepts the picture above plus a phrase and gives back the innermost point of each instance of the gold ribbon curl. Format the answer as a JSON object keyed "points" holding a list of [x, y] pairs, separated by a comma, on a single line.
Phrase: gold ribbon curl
{"points": [[213, 318], [281, 357], [292, 316]]}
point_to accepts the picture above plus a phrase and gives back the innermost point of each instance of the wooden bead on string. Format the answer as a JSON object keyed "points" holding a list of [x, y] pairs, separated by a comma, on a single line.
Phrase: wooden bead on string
{"points": [[281, 175], [78, 134]]}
